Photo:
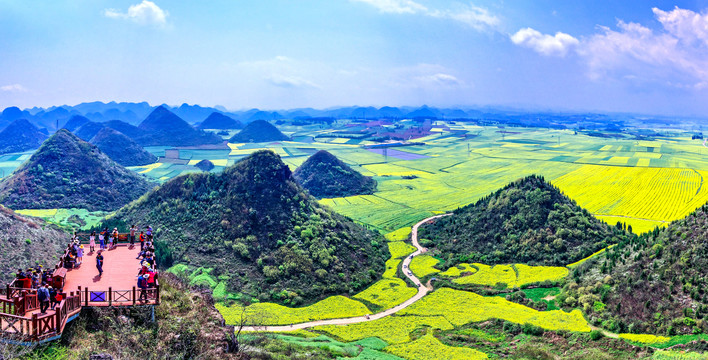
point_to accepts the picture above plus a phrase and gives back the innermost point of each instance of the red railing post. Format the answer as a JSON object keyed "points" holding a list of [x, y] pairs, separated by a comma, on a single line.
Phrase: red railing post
{"points": [[8, 294], [86, 296], [110, 296], [58, 319], [35, 331], [133, 295], [157, 295]]}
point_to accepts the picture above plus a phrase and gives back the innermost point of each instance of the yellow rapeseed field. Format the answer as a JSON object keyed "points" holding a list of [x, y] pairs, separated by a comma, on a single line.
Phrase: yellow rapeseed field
{"points": [[423, 265], [462, 307], [400, 249], [391, 268], [491, 275], [533, 274], [387, 293], [660, 194], [391, 329], [430, 348], [332, 307], [400, 234], [644, 338], [458, 270]]}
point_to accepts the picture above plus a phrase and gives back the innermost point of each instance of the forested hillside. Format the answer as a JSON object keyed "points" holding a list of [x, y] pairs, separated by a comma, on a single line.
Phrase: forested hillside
{"points": [[655, 283], [325, 176], [67, 172], [260, 232], [528, 221]]}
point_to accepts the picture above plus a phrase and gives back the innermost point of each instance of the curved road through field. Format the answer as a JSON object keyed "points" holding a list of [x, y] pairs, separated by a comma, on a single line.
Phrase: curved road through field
{"points": [[422, 291]]}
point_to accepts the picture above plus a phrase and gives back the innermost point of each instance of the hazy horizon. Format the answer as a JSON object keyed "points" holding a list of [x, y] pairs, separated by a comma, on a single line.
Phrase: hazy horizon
{"points": [[599, 56]]}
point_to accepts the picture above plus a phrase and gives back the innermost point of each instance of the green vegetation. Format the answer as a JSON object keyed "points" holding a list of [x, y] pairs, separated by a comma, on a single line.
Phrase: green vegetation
{"points": [[258, 131], [69, 219], [121, 148], [528, 221], [162, 127], [654, 283], [20, 136], [27, 242], [325, 176], [261, 233], [67, 172], [219, 121]]}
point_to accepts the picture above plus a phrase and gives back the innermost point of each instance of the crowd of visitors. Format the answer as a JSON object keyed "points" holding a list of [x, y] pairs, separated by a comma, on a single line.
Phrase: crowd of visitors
{"points": [[38, 278], [49, 297]]}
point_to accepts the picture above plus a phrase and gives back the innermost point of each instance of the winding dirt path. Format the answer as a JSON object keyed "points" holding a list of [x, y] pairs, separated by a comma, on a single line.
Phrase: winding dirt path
{"points": [[422, 291]]}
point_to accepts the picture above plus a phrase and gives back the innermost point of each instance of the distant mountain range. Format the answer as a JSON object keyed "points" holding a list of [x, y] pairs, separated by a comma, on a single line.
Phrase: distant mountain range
{"points": [[53, 118], [67, 172]]}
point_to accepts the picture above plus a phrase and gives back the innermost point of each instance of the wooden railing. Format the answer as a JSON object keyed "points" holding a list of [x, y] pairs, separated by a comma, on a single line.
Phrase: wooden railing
{"points": [[113, 297], [40, 326], [18, 301]]}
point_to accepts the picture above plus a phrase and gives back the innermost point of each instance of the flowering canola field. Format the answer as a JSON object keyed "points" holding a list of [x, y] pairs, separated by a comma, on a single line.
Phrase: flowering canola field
{"points": [[462, 307], [430, 348], [332, 307], [387, 293], [391, 329], [652, 195]]}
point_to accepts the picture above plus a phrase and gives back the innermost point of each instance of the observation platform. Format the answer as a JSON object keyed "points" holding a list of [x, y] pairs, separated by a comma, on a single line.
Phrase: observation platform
{"points": [[20, 320]]}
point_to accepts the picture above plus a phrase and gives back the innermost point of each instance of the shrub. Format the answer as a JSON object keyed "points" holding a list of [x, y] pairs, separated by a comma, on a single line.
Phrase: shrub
{"points": [[596, 335], [530, 329]]}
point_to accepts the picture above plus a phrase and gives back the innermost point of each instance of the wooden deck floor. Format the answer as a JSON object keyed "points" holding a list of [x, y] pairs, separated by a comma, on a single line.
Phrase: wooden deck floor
{"points": [[120, 270]]}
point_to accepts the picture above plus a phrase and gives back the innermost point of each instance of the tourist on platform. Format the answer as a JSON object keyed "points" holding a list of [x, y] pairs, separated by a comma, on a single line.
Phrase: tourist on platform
{"points": [[150, 259], [53, 297], [43, 298], [133, 230], [35, 279], [92, 242], [46, 277], [115, 238], [80, 255], [99, 263], [142, 240], [144, 268], [106, 234], [110, 240], [143, 285], [101, 240], [149, 233], [152, 276]]}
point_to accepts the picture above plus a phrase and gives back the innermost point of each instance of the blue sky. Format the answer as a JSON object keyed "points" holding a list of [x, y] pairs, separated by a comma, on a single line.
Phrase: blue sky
{"points": [[596, 55]]}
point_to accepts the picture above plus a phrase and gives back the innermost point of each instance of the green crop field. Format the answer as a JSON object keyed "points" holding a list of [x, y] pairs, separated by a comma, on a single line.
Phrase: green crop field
{"points": [[643, 184]]}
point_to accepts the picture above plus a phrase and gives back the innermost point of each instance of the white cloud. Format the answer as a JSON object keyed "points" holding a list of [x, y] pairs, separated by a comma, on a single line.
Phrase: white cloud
{"points": [[545, 44], [145, 13], [440, 79], [473, 16], [686, 25], [674, 54], [14, 88], [289, 81], [396, 6]]}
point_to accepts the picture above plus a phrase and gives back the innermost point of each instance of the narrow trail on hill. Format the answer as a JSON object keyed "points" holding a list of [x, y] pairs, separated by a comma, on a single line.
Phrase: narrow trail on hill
{"points": [[422, 291]]}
